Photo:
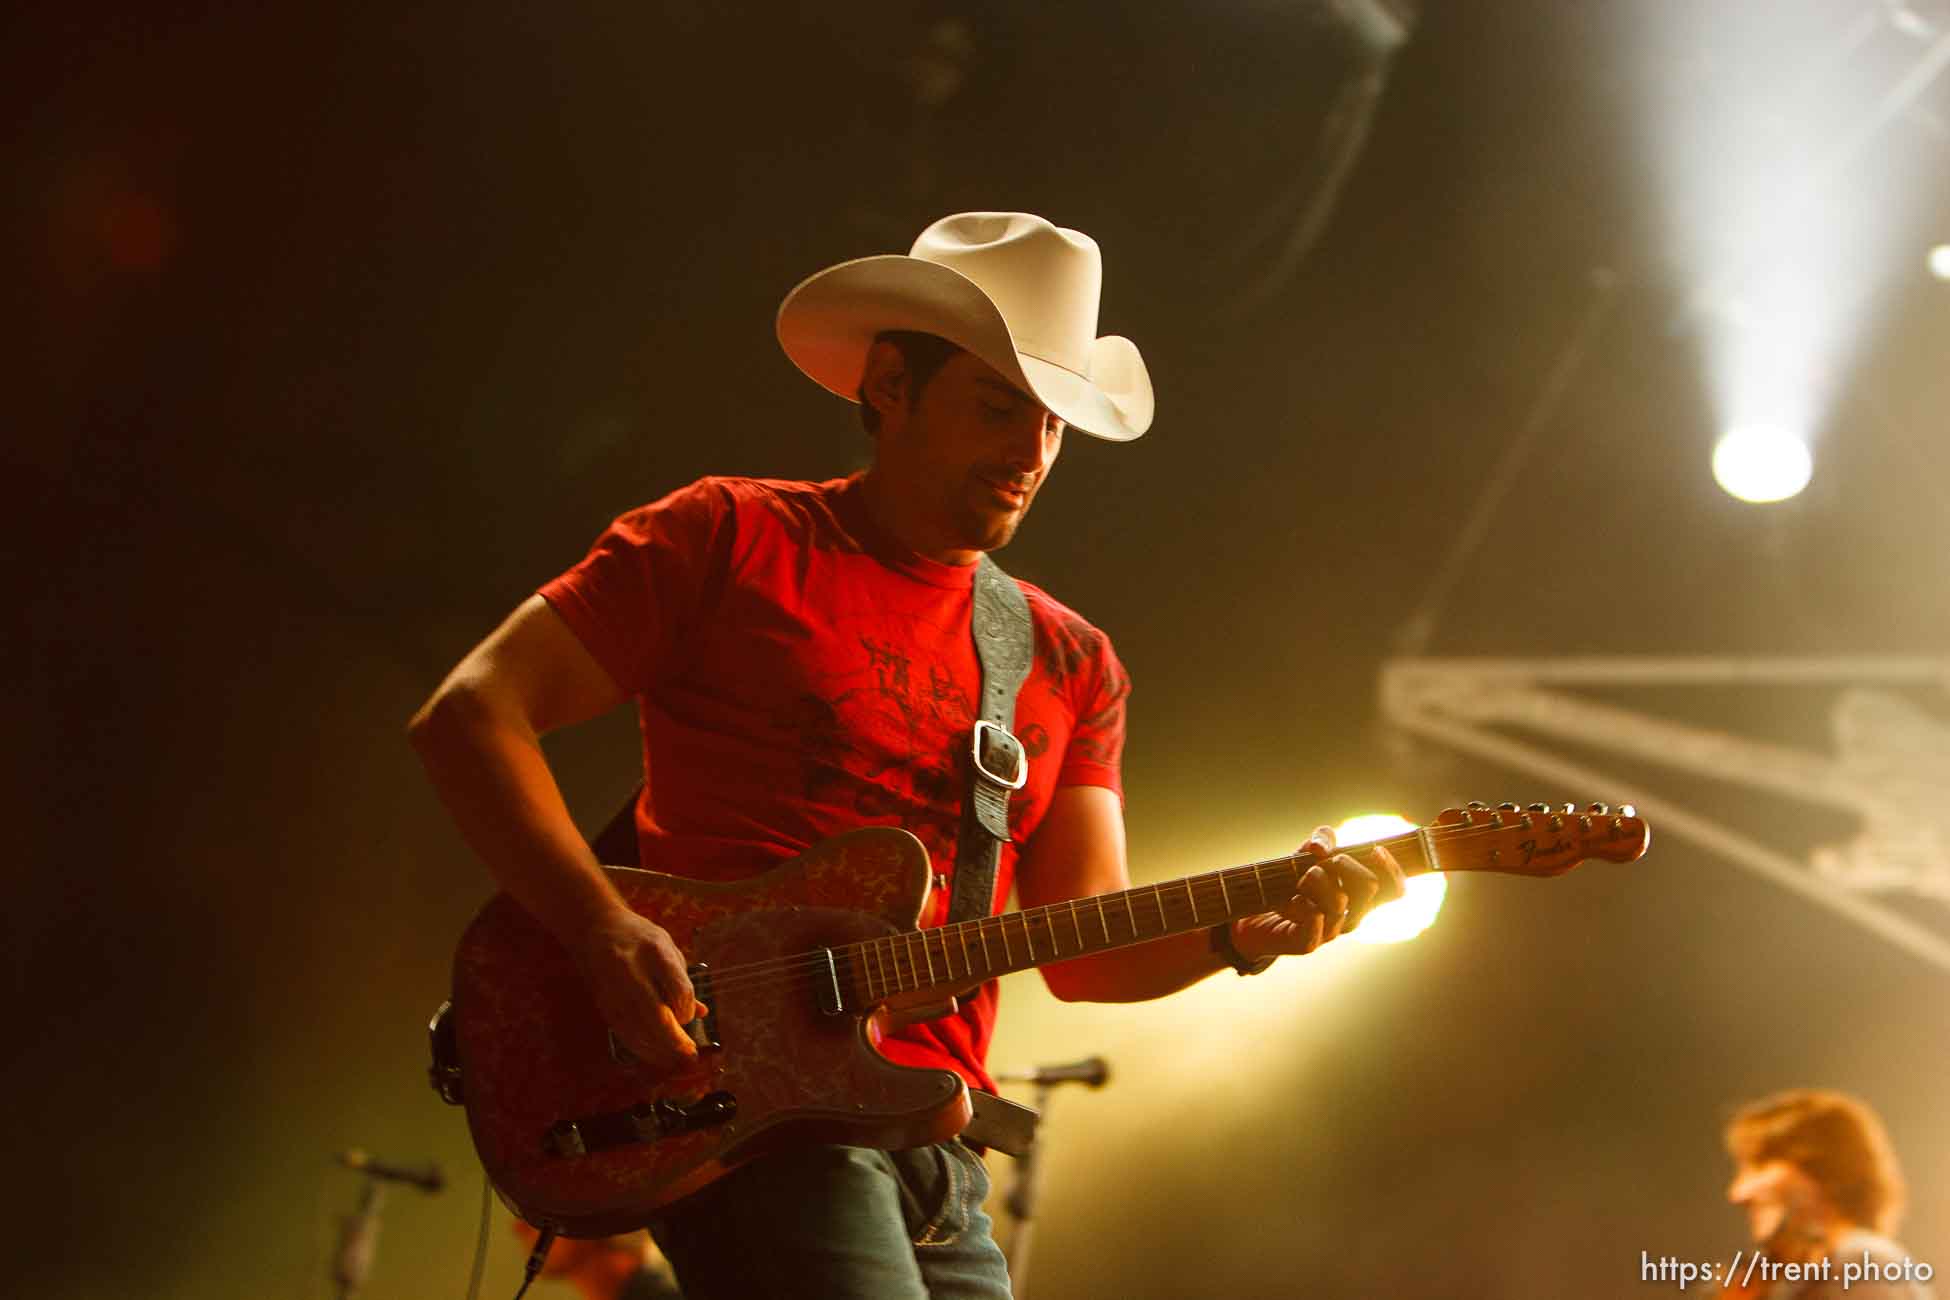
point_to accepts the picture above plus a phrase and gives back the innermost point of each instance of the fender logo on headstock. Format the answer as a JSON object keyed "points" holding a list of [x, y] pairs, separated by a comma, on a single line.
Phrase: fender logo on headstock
{"points": [[1531, 851]]}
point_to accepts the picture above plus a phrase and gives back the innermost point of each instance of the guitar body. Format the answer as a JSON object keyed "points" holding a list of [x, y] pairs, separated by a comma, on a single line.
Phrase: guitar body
{"points": [[534, 1055]]}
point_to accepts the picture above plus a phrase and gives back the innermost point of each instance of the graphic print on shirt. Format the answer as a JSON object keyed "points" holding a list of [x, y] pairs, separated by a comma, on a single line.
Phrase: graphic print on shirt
{"points": [[909, 773], [1073, 648], [1035, 740]]}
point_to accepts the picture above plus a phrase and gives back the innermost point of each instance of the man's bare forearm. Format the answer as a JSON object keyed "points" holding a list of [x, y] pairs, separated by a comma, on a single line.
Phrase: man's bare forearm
{"points": [[1136, 974], [480, 739], [487, 765]]}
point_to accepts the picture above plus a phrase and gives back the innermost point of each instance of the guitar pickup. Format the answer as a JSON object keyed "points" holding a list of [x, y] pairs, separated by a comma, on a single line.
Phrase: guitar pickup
{"points": [[702, 1028], [645, 1122]]}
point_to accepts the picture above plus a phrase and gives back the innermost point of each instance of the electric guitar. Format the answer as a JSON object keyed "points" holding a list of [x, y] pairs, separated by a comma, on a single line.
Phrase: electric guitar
{"points": [[799, 972]]}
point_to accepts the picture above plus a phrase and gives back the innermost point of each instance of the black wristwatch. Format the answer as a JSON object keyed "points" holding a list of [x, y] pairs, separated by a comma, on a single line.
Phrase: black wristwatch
{"points": [[1223, 945]]}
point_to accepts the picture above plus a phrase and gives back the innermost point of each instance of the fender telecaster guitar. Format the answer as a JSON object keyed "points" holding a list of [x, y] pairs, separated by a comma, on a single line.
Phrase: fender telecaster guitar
{"points": [[799, 972]]}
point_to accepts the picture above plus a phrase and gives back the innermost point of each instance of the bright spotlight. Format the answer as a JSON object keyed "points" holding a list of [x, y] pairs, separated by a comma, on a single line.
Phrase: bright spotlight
{"points": [[1760, 464], [1415, 910], [1940, 261]]}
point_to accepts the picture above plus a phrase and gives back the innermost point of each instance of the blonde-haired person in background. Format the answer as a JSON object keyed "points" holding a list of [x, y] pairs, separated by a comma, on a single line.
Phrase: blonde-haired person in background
{"points": [[1819, 1181]]}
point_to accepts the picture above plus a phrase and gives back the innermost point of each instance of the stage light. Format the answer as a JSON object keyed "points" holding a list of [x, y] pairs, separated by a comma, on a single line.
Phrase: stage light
{"points": [[1369, 827], [1777, 147], [1762, 464], [1414, 911], [1940, 261]]}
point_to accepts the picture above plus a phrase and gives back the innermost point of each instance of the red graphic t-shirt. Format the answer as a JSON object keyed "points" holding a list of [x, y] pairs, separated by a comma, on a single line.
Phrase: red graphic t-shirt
{"points": [[797, 675]]}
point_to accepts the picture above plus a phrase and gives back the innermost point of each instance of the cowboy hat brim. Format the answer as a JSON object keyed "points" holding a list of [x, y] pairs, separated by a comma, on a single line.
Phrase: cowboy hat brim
{"points": [[829, 321]]}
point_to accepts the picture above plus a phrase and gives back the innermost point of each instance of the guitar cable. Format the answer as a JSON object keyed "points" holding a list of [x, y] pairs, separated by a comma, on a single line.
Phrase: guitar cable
{"points": [[536, 1257], [480, 1243]]}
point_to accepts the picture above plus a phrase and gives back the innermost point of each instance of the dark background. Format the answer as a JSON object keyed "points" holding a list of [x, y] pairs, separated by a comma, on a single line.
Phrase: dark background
{"points": [[345, 328]]}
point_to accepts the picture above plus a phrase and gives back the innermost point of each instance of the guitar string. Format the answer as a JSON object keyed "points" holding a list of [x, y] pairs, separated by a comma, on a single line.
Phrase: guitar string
{"points": [[1201, 889], [1207, 888]]}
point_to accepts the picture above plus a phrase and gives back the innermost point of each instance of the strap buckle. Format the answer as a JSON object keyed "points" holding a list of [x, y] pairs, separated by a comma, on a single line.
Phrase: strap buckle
{"points": [[1009, 747]]}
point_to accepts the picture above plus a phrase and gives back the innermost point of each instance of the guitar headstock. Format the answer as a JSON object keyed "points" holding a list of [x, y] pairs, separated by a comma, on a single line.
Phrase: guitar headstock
{"points": [[1539, 839]]}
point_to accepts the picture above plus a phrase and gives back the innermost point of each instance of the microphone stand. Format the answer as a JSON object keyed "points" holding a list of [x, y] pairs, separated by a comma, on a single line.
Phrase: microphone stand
{"points": [[1020, 1203], [359, 1230], [1021, 1200], [358, 1239]]}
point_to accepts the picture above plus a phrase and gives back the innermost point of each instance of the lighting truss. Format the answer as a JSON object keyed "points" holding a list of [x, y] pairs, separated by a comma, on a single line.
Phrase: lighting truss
{"points": [[1890, 766]]}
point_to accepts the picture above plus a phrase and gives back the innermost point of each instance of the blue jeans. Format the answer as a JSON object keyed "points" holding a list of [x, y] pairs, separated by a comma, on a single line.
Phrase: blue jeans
{"points": [[832, 1221]]}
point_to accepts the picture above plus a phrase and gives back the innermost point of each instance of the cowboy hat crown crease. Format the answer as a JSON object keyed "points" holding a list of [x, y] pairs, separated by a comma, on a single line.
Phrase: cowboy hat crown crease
{"points": [[1046, 282]]}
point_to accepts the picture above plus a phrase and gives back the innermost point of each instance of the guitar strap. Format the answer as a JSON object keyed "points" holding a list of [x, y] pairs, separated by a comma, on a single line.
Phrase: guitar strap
{"points": [[1005, 646]]}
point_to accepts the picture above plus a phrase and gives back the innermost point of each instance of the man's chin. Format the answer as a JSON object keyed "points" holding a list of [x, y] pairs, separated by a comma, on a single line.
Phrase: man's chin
{"points": [[1005, 531], [990, 530]]}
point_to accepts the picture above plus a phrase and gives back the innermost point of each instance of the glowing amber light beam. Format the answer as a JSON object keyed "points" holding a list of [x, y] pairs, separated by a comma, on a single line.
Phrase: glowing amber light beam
{"points": [[1408, 915]]}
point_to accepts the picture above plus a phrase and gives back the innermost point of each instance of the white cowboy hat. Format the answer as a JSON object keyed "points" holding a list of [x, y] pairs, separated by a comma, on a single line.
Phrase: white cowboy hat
{"points": [[1018, 292]]}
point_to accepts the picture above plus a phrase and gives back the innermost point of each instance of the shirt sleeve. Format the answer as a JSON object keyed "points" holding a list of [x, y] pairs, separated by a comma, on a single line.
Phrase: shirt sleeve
{"points": [[1096, 752], [647, 582]]}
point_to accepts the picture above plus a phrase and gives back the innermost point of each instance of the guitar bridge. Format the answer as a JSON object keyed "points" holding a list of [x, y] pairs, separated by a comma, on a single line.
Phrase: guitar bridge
{"points": [[644, 1122]]}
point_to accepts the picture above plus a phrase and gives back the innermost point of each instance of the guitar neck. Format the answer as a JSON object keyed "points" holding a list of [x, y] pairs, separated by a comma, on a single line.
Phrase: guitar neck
{"points": [[947, 960]]}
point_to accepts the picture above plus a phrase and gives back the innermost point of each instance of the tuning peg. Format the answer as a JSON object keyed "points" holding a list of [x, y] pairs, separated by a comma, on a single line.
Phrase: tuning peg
{"points": [[1568, 809], [1627, 810], [1477, 805], [1506, 807], [1599, 808], [1540, 807]]}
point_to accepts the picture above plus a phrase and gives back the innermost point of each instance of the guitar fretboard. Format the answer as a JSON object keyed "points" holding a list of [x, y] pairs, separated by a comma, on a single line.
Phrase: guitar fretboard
{"points": [[953, 958]]}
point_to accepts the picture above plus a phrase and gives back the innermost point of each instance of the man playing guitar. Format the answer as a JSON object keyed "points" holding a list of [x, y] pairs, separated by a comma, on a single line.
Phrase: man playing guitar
{"points": [[801, 660]]}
